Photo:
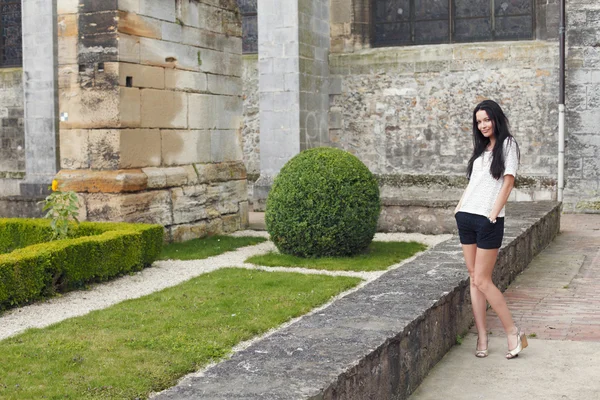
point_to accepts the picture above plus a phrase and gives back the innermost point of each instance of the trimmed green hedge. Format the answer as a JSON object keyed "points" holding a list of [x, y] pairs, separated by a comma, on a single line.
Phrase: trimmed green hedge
{"points": [[32, 267]]}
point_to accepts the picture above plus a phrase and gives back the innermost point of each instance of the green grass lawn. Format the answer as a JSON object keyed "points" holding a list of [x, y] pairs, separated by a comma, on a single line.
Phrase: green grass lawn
{"points": [[197, 249], [379, 256], [146, 344]]}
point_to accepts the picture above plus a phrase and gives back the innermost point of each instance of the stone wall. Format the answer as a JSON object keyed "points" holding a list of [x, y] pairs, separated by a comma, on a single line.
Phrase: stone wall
{"points": [[251, 124], [582, 175], [407, 111], [151, 112], [12, 136]]}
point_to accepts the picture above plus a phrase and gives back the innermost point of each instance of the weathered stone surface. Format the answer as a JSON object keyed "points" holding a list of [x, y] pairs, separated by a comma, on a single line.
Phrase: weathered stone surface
{"points": [[186, 81], [380, 341], [12, 134], [215, 112], [190, 204], [231, 223], [164, 109], [74, 149], [221, 172], [139, 148], [225, 146], [183, 232], [230, 194], [142, 76], [102, 181], [427, 217], [185, 147], [146, 207], [139, 25]]}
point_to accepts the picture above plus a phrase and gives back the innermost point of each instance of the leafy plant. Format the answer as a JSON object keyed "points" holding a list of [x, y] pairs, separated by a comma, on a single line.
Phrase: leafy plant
{"points": [[62, 208], [324, 203]]}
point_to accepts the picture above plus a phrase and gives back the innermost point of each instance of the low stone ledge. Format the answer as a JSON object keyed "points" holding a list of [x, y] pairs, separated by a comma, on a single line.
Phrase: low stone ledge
{"points": [[430, 217], [21, 207], [380, 341]]}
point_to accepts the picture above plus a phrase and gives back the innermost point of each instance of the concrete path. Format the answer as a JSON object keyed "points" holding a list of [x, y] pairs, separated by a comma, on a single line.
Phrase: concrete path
{"points": [[557, 301]]}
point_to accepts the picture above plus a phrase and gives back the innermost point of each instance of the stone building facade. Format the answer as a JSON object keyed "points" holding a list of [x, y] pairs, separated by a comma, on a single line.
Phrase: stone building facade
{"points": [[405, 110], [146, 100]]}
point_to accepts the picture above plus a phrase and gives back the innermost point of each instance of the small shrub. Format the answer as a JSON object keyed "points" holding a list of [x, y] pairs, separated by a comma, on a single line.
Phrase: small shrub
{"points": [[62, 209], [324, 202]]}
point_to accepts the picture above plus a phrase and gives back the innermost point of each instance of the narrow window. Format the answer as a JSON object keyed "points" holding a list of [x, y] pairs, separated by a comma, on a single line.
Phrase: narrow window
{"points": [[11, 50], [249, 26]]}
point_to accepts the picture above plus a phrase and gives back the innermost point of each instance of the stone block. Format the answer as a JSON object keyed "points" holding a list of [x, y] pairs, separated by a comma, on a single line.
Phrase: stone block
{"points": [[187, 81], [142, 76], [157, 179], [203, 16], [68, 76], [129, 5], [226, 146], [162, 10], [67, 7], [139, 148], [185, 147], [104, 148], [230, 195], [189, 204], [221, 172], [138, 25], [213, 111], [89, 181], [185, 232], [74, 149], [129, 107], [229, 85], [231, 223], [176, 176], [67, 50], [164, 109], [192, 174], [244, 215], [144, 207], [67, 25], [129, 48], [169, 54], [89, 108], [172, 32]]}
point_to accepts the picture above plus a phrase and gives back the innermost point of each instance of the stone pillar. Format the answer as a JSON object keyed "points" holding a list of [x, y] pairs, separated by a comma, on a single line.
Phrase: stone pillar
{"points": [[293, 51], [40, 95], [151, 107], [582, 172]]}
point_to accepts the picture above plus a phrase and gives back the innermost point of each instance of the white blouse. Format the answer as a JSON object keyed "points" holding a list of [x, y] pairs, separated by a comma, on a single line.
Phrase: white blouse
{"points": [[483, 189]]}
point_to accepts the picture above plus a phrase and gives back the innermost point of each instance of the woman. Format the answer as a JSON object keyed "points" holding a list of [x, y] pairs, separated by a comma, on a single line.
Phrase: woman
{"points": [[480, 218]]}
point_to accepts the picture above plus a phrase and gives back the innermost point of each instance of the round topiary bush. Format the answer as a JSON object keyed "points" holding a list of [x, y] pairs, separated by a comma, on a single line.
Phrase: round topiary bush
{"points": [[324, 202]]}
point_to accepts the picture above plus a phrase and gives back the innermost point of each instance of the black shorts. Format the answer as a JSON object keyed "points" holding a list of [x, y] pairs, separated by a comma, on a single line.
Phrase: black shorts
{"points": [[473, 228]]}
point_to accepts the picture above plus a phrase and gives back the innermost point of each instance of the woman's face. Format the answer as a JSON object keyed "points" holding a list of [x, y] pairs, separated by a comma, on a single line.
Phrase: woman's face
{"points": [[484, 123]]}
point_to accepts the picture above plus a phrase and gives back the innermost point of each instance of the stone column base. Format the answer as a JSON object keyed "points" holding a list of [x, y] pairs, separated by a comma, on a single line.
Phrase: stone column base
{"points": [[261, 190]]}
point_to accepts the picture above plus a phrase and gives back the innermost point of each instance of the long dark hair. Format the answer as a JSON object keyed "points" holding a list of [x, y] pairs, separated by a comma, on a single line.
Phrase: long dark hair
{"points": [[501, 133]]}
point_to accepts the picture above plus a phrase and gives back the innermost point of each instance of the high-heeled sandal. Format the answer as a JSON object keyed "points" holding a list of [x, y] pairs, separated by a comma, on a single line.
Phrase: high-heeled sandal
{"points": [[482, 353], [521, 344]]}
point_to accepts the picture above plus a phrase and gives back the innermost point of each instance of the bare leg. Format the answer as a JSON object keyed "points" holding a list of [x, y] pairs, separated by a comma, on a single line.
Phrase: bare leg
{"points": [[477, 297], [485, 260]]}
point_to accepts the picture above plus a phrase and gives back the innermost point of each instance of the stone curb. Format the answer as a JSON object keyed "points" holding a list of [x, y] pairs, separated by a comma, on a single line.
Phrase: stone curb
{"points": [[380, 341]]}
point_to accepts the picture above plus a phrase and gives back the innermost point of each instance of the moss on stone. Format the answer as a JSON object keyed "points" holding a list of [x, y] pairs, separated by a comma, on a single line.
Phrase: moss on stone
{"points": [[399, 180], [588, 205]]}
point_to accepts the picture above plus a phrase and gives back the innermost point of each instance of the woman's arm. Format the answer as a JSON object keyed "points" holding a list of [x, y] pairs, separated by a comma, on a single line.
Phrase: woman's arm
{"points": [[507, 186]]}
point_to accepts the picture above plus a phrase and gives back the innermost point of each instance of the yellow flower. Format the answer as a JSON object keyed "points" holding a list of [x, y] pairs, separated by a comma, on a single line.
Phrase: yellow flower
{"points": [[54, 185]]}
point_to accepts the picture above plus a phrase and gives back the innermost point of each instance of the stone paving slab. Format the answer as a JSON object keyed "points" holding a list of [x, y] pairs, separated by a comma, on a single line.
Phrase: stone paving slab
{"points": [[377, 342], [546, 370], [558, 299]]}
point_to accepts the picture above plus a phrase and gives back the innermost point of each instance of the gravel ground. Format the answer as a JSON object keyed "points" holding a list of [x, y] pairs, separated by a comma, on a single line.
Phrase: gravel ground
{"points": [[165, 274]]}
